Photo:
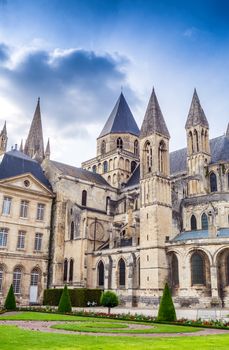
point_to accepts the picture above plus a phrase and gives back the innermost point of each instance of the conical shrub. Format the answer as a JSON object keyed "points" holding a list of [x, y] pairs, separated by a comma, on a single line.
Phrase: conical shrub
{"points": [[10, 302], [166, 310], [65, 301]]}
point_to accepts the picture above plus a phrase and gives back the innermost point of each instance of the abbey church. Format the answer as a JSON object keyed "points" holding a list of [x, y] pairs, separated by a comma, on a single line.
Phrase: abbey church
{"points": [[130, 219]]}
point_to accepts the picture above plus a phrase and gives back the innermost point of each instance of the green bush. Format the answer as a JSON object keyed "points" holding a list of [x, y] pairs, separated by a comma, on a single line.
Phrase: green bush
{"points": [[166, 310], [10, 302], [109, 299], [79, 297], [65, 302]]}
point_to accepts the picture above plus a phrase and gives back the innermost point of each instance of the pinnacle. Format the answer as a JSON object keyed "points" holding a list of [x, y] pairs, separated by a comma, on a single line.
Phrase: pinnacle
{"points": [[196, 115], [153, 120]]}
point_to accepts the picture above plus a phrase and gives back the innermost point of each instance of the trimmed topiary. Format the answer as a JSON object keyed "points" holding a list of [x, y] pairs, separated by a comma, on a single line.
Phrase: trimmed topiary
{"points": [[109, 299], [65, 301], [10, 302], [166, 310]]}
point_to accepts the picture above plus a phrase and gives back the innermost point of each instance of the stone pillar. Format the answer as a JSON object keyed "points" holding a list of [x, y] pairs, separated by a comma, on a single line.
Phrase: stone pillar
{"points": [[214, 285]]}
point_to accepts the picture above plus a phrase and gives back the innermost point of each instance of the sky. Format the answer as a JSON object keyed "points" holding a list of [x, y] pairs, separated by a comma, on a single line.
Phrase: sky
{"points": [[78, 55]]}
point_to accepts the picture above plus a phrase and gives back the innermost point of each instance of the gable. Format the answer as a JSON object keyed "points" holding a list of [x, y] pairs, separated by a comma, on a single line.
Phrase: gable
{"points": [[26, 183]]}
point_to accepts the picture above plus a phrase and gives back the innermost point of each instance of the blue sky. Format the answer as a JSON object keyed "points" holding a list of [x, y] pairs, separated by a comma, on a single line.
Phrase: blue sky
{"points": [[76, 55]]}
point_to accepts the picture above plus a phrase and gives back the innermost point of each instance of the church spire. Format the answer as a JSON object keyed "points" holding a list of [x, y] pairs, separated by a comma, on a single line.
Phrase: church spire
{"points": [[153, 120], [3, 139], [196, 114], [34, 144], [47, 150], [21, 146]]}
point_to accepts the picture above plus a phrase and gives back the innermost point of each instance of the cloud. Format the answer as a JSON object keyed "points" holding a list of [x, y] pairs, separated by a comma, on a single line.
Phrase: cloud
{"points": [[190, 32], [4, 54], [74, 85]]}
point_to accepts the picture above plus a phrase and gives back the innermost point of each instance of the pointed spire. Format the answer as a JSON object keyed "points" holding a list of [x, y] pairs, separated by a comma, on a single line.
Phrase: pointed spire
{"points": [[196, 114], [4, 131], [47, 151], [121, 120], [21, 146], [153, 120], [34, 143]]}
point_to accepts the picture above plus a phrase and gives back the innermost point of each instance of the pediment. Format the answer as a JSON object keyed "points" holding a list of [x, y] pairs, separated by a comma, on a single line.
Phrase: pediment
{"points": [[26, 182]]}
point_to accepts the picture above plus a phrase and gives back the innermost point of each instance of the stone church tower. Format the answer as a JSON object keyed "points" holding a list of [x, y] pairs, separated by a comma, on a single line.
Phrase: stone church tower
{"points": [[155, 198], [198, 148], [3, 140], [34, 146]]}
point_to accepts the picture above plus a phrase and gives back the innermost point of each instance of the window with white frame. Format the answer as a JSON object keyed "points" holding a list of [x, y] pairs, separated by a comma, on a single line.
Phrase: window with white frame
{"points": [[3, 237], [17, 280], [1, 278], [40, 211], [6, 205], [34, 277], [24, 209], [38, 241], [21, 240]]}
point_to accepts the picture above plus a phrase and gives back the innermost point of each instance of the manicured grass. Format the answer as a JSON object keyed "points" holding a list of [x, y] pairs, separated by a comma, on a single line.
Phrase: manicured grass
{"points": [[108, 327], [12, 338]]}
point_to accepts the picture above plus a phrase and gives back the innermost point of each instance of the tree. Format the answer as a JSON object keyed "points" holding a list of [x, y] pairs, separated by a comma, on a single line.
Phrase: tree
{"points": [[109, 299], [166, 310], [10, 302], [65, 301]]}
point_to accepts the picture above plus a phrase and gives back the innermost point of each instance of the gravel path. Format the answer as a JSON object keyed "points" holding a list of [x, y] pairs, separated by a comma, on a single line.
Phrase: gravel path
{"points": [[45, 326]]}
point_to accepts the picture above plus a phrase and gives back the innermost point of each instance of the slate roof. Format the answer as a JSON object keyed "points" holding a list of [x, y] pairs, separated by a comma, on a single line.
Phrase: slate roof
{"points": [[16, 163], [199, 234], [153, 120], [196, 114], [121, 120], [134, 179], [80, 173]]}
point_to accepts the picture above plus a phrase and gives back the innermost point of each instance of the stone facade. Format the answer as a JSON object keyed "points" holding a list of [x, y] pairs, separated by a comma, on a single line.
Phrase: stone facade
{"points": [[136, 216]]}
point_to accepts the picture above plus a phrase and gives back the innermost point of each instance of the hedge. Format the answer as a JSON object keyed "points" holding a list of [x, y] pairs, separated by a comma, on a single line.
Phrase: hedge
{"points": [[79, 297]]}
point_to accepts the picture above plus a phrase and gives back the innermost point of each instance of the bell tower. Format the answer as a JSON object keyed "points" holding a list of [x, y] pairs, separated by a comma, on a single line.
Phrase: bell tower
{"points": [[155, 192], [198, 148]]}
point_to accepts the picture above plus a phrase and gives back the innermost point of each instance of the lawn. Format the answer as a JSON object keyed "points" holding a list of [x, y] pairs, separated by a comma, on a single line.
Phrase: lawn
{"points": [[12, 338]]}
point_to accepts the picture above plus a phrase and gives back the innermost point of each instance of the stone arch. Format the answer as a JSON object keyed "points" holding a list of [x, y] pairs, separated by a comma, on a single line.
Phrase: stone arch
{"points": [[35, 276], [193, 223], [65, 270], [119, 143], [103, 147], [100, 273], [127, 165], [148, 157], [204, 221], [71, 270], [196, 138], [190, 142], [18, 272], [213, 181], [121, 163], [122, 273], [162, 155], [136, 148]]}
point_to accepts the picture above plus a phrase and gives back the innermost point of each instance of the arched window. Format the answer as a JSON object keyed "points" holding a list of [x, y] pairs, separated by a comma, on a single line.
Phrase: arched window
{"points": [[94, 169], [34, 277], [71, 264], [213, 182], [193, 223], [149, 157], [196, 140], [136, 149], [203, 141], [174, 271], [65, 270], [227, 268], [72, 230], [103, 147], [107, 202], [1, 278], [138, 273], [197, 269], [119, 143], [133, 166], [101, 274], [84, 198], [190, 141], [162, 157], [228, 180], [17, 280], [105, 166], [122, 273], [204, 222]]}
